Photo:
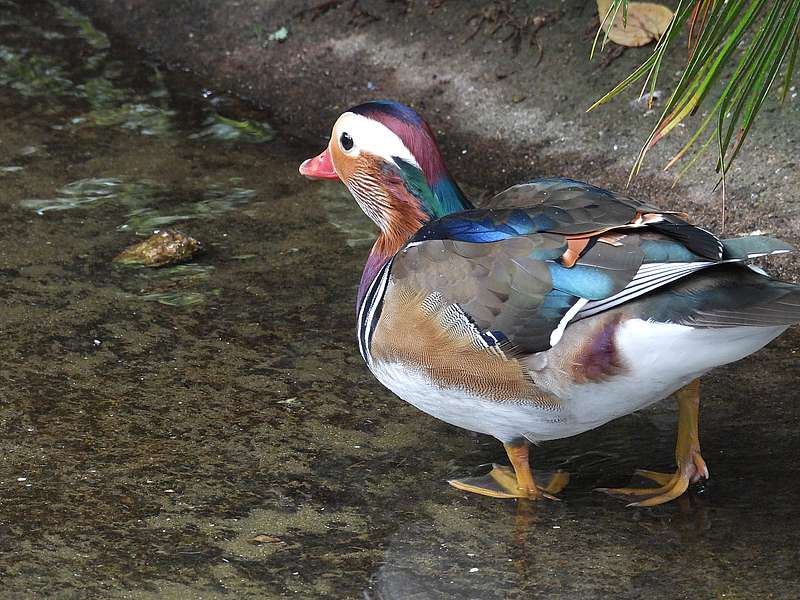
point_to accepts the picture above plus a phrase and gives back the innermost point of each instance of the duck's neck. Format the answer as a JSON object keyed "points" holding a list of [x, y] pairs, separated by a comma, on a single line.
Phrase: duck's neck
{"points": [[389, 243], [438, 195], [409, 202]]}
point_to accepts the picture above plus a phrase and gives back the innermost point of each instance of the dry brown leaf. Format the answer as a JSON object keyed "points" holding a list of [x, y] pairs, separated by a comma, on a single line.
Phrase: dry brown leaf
{"points": [[646, 22], [263, 539]]}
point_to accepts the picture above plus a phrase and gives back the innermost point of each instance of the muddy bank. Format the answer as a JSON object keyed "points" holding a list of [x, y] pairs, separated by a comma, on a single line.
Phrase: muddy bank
{"points": [[507, 103]]}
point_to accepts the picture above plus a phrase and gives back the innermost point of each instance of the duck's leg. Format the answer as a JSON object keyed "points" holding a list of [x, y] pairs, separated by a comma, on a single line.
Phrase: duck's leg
{"points": [[503, 482], [691, 466]]}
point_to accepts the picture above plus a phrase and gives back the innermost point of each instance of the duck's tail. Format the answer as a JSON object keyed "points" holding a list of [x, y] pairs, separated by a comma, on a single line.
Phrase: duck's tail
{"points": [[753, 246]]}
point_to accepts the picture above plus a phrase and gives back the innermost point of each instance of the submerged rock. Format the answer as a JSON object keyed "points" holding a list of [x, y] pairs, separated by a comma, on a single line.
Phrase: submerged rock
{"points": [[164, 247]]}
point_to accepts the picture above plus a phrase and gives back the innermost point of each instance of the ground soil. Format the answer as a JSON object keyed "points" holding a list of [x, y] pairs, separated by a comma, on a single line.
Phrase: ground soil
{"points": [[504, 108]]}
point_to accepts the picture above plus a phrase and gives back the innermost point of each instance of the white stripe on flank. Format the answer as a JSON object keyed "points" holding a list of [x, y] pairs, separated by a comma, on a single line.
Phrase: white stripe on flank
{"points": [[372, 300]]}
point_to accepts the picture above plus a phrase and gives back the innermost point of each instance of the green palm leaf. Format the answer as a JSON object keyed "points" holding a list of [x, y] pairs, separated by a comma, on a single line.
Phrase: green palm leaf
{"points": [[737, 49]]}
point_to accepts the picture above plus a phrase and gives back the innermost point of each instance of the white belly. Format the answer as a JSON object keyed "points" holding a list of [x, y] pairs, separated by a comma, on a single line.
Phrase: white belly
{"points": [[462, 408], [661, 359]]}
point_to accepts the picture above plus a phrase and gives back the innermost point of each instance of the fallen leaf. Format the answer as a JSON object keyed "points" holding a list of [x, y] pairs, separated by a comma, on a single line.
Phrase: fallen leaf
{"points": [[646, 22], [262, 539]]}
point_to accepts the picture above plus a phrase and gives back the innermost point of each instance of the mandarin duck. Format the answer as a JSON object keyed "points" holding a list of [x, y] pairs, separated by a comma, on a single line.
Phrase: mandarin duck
{"points": [[550, 310]]}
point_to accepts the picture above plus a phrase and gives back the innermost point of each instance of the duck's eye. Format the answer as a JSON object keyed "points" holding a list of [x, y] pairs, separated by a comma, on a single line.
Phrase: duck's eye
{"points": [[346, 141]]}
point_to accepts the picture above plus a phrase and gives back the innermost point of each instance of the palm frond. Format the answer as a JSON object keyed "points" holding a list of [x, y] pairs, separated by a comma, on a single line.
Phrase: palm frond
{"points": [[736, 50]]}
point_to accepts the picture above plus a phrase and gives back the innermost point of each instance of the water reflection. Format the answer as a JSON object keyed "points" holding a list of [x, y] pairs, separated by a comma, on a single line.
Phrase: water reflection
{"points": [[535, 549]]}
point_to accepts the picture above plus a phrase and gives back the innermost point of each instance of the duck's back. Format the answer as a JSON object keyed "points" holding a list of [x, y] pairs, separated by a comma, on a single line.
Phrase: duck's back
{"points": [[553, 251]]}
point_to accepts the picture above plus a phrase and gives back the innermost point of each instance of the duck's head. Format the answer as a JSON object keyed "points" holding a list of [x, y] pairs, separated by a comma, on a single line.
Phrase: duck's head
{"points": [[386, 155]]}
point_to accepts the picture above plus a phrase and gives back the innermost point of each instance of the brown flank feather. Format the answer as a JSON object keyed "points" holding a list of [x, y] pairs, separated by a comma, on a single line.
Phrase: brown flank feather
{"points": [[408, 334]]}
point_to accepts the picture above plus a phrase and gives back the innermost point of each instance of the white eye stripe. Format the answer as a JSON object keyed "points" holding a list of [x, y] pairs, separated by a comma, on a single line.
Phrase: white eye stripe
{"points": [[371, 137]]}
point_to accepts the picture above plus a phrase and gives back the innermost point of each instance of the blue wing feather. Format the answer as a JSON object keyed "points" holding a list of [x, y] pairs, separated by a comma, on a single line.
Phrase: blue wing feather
{"points": [[484, 226], [582, 281]]}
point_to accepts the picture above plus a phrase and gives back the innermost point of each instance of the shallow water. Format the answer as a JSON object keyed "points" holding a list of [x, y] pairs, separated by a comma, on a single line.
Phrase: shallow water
{"points": [[209, 430]]}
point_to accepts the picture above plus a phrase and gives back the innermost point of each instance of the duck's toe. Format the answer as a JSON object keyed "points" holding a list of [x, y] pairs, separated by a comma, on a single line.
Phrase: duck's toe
{"points": [[670, 485], [501, 482]]}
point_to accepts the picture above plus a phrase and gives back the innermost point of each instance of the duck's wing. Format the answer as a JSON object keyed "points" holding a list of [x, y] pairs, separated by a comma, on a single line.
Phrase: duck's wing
{"points": [[571, 208], [558, 189], [506, 269]]}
